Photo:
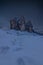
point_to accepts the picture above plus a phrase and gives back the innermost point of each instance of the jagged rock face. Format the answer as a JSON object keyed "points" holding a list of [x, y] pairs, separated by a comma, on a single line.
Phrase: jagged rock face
{"points": [[13, 24], [29, 26], [22, 20], [22, 27], [21, 23]]}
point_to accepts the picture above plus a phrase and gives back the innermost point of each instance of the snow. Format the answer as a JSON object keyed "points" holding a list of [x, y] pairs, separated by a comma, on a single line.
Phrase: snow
{"points": [[20, 48]]}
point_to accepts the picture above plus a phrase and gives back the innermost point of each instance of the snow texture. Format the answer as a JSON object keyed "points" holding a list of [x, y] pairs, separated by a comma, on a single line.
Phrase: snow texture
{"points": [[20, 48]]}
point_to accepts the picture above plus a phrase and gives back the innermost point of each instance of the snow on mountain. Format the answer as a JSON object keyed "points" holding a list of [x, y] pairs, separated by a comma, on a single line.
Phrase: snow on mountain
{"points": [[20, 48]]}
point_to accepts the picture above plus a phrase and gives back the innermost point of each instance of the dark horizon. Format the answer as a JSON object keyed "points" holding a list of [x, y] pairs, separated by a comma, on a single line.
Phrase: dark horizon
{"points": [[31, 9]]}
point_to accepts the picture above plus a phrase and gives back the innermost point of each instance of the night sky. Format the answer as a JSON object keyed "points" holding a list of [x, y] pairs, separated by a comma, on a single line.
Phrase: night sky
{"points": [[31, 9]]}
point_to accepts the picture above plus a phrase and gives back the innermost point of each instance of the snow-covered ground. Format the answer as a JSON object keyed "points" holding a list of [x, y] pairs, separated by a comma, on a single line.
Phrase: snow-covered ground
{"points": [[20, 48]]}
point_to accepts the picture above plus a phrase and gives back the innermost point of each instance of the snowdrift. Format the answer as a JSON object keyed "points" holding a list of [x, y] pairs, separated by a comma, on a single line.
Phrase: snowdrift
{"points": [[20, 48]]}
